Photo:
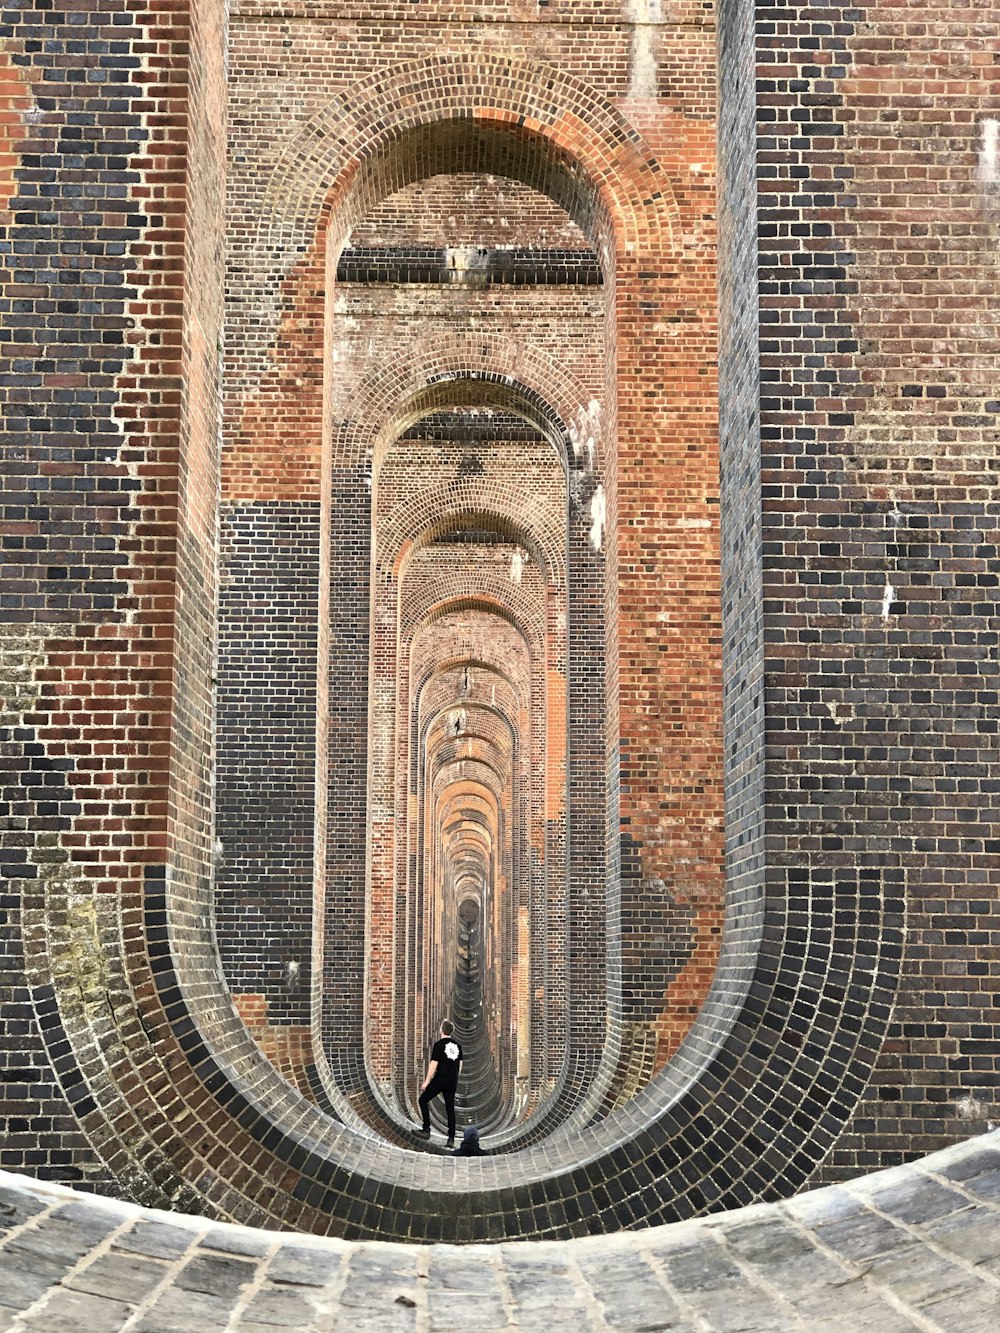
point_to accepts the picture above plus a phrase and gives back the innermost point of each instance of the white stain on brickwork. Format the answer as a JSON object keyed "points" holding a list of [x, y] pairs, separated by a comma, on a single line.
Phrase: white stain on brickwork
{"points": [[646, 15], [584, 433], [516, 566], [989, 154], [971, 1108], [598, 515], [839, 714], [888, 597]]}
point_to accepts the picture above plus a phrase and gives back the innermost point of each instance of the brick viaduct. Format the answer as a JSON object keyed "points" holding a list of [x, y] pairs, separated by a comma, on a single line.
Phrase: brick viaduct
{"points": [[500, 519]]}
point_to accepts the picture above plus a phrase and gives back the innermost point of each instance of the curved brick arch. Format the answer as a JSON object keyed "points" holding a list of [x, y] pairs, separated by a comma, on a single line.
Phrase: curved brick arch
{"points": [[491, 370], [483, 601], [332, 158], [473, 708], [410, 528], [433, 601], [474, 798], [199, 1066], [536, 123], [434, 696]]}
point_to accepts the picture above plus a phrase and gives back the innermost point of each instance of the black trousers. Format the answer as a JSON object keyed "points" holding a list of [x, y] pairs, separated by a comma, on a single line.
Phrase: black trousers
{"points": [[447, 1091]]}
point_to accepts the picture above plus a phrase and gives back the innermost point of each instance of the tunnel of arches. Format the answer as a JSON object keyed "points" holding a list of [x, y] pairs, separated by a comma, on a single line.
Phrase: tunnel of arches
{"points": [[452, 681]]}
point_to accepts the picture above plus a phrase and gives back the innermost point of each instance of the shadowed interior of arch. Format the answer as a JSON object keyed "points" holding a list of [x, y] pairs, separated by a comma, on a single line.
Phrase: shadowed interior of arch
{"points": [[470, 608], [484, 483], [480, 536]]}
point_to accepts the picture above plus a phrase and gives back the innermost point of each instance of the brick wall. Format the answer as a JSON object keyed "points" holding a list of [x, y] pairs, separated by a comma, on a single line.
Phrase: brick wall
{"points": [[400, 358], [110, 410]]}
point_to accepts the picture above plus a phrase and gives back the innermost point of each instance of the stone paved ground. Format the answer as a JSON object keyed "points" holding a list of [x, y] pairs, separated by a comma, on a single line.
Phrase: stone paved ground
{"points": [[913, 1248]]}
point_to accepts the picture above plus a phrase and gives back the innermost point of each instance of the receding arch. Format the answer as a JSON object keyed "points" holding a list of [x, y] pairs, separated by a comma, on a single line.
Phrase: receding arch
{"points": [[493, 371]]}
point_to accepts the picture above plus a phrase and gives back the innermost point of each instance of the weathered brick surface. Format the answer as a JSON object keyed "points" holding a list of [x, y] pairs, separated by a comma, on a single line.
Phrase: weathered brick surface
{"points": [[210, 785], [879, 240]]}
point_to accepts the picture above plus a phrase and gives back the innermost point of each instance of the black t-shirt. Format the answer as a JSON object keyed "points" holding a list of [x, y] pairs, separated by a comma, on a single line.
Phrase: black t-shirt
{"points": [[448, 1055]]}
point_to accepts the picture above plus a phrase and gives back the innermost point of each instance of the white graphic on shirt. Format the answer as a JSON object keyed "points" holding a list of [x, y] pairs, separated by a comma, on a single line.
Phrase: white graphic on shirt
{"points": [[451, 1051]]}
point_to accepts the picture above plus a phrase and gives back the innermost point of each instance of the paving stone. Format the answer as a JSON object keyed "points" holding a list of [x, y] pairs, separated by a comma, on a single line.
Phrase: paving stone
{"points": [[720, 1292], [695, 1265], [384, 1313], [27, 1276], [790, 1263], [280, 1307], [851, 1310], [976, 1311], [985, 1185], [156, 1240], [829, 1205], [80, 1312], [626, 1288], [861, 1315], [745, 1311], [918, 1201], [17, 1207], [180, 1311], [305, 1267], [376, 1273], [972, 1235], [66, 1237], [237, 1242], [123, 1277], [542, 1282], [916, 1274], [451, 1270], [979, 1161], [465, 1310], [759, 1269], [770, 1241], [216, 1276], [863, 1237]]}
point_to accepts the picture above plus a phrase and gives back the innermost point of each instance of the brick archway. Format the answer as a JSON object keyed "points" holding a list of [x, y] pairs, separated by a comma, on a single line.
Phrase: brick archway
{"points": [[344, 147], [145, 1064], [494, 373], [569, 144], [502, 372], [303, 1167]]}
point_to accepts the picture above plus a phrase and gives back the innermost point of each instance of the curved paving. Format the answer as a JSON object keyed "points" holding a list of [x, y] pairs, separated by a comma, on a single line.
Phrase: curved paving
{"points": [[917, 1247]]}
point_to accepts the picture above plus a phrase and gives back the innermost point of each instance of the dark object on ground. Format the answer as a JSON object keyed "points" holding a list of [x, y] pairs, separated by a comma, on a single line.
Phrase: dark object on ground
{"points": [[470, 1146]]}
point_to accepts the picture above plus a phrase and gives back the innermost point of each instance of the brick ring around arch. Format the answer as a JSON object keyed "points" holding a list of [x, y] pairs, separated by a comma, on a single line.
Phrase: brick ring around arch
{"points": [[342, 147], [736, 1116], [496, 370], [562, 137]]}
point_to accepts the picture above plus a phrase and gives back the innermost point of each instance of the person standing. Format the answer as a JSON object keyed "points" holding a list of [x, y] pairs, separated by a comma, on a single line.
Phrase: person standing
{"points": [[442, 1078]]}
